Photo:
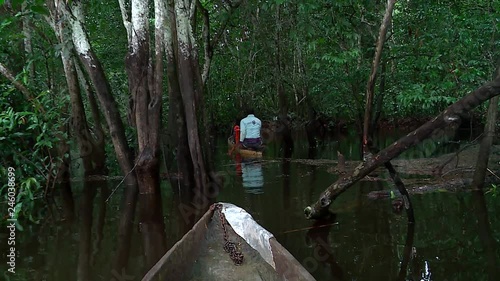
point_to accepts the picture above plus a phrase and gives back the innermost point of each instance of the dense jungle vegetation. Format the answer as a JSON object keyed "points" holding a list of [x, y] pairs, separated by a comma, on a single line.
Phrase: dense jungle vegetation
{"points": [[295, 60]]}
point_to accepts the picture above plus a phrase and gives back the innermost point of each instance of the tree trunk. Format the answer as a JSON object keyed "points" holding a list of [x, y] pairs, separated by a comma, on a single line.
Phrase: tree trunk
{"points": [[449, 116], [98, 141], [147, 102], [370, 87], [187, 76], [284, 129], [91, 153], [379, 102], [282, 99], [209, 45], [484, 150], [78, 118], [176, 127], [488, 136], [28, 49], [96, 73]]}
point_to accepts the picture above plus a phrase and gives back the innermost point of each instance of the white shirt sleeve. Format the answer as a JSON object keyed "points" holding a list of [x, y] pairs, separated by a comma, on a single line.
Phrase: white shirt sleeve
{"points": [[243, 130]]}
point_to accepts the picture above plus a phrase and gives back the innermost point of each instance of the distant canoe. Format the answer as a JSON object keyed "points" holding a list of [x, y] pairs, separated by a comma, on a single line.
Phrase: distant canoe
{"points": [[193, 258], [246, 153]]}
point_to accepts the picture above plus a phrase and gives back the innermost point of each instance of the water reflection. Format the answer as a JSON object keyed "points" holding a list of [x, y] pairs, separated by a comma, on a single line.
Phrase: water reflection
{"points": [[285, 171], [85, 232], [485, 234], [125, 226], [317, 237], [252, 176], [407, 253], [456, 233], [152, 228]]}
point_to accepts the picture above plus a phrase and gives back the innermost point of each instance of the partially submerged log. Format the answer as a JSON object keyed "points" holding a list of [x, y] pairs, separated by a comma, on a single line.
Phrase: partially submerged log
{"points": [[447, 118], [453, 185]]}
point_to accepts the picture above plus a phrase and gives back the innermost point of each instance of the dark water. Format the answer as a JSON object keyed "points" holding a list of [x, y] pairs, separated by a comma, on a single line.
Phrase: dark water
{"points": [[455, 236]]}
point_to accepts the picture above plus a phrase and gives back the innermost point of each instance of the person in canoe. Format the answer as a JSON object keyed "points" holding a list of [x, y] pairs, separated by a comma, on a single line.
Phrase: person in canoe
{"points": [[250, 131]]}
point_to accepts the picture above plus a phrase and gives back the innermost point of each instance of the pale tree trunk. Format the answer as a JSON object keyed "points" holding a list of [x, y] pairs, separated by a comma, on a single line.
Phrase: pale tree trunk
{"points": [[78, 118], [147, 102], [91, 150], [101, 84], [187, 76]]}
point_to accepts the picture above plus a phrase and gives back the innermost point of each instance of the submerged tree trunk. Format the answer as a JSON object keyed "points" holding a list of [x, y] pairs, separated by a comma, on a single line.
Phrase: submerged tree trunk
{"points": [[176, 127], [449, 116], [484, 150], [146, 100], [187, 78]]}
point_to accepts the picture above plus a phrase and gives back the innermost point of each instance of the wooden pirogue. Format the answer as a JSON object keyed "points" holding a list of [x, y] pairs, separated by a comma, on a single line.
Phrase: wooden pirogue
{"points": [[239, 242], [246, 153]]}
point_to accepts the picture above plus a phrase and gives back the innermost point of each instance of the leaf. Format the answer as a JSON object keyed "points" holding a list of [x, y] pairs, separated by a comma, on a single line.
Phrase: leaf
{"points": [[39, 10], [19, 226]]}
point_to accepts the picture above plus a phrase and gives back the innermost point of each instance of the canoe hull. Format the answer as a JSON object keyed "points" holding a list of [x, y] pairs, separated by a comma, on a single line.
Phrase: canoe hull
{"points": [[247, 153], [180, 258]]}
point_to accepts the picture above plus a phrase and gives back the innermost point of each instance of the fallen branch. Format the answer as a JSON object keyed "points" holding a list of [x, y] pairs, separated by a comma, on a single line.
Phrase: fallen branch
{"points": [[446, 118]]}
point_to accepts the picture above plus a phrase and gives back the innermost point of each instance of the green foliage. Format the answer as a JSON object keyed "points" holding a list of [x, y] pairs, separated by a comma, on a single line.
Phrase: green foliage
{"points": [[435, 53], [434, 64], [493, 190], [28, 142]]}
